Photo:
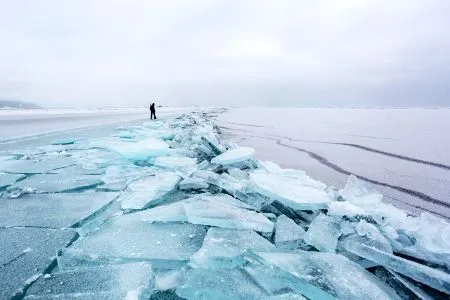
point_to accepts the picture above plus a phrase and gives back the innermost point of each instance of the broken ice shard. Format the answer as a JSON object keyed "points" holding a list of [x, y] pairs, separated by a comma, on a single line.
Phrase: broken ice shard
{"points": [[288, 235], [127, 238], [57, 183], [173, 212], [144, 192], [234, 156], [316, 275], [176, 163], [323, 233], [64, 142], [7, 179], [110, 278], [219, 284], [359, 191], [222, 247], [214, 213], [433, 277], [193, 184], [290, 191], [138, 151]]}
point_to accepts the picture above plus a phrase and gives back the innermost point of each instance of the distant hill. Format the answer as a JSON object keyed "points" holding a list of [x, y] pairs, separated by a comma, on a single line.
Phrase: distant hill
{"points": [[6, 104]]}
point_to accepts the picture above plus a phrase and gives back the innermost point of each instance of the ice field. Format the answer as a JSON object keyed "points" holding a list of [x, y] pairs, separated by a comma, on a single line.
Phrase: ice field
{"points": [[225, 204], [404, 153]]}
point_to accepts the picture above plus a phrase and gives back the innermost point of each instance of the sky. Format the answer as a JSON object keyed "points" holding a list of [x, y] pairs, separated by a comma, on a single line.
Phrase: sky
{"points": [[96, 53]]}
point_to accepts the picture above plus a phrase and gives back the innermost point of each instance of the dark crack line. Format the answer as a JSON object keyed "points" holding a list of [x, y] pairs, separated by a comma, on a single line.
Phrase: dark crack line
{"points": [[415, 206], [357, 146], [339, 169], [403, 157], [13, 259]]}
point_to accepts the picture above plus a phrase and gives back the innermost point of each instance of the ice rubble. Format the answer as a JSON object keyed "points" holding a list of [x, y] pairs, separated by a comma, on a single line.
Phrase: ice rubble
{"points": [[167, 209]]}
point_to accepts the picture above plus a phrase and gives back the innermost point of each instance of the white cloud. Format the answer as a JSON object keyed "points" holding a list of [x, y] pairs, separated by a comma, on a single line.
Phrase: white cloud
{"points": [[84, 53]]}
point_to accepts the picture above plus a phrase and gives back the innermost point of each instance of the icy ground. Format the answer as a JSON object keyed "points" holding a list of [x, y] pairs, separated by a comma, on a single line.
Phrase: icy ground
{"points": [[168, 209], [404, 153]]}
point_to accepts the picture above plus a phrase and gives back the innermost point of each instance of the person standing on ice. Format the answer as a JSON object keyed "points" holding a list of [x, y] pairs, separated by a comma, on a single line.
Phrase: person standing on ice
{"points": [[152, 111]]}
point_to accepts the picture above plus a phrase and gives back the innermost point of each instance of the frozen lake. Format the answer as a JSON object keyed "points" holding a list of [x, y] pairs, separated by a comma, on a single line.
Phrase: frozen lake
{"points": [[404, 152]]}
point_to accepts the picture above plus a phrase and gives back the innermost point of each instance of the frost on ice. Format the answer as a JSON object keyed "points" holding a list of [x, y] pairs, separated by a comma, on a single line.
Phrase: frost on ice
{"points": [[166, 210]]}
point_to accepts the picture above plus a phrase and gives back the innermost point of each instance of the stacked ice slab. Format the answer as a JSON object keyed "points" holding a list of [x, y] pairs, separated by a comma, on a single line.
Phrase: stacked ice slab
{"points": [[197, 218]]}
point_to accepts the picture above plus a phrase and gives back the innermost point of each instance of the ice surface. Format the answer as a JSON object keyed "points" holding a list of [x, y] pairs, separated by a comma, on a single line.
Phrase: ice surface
{"points": [[234, 156], [172, 232], [193, 184], [25, 253], [168, 279], [222, 247], [316, 275], [36, 167], [431, 235], [214, 213], [176, 163], [141, 150], [117, 278], [421, 273], [7, 179], [290, 191], [288, 235], [173, 212], [238, 174], [56, 183], [323, 233], [150, 190], [127, 238], [219, 284], [59, 210]]}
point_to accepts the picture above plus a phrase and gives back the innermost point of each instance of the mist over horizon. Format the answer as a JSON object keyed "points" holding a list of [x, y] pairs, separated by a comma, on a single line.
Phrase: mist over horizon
{"points": [[225, 54]]}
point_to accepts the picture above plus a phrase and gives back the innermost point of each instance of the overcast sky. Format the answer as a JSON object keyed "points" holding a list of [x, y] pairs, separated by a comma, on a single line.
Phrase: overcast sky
{"points": [[86, 53]]}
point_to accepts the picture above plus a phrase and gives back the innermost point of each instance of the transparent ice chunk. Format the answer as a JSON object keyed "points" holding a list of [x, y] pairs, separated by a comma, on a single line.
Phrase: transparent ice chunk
{"points": [[316, 275], [223, 215], [176, 162], [358, 191], [127, 238], [193, 184], [234, 156], [141, 150], [238, 174], [143, 192], [118, 278], [68, 141], [421, 273], [290, 191], [219, 284], [222, 248], [56, 183], [288, 235], [173, 212], [323, 233], [168, 279]]}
